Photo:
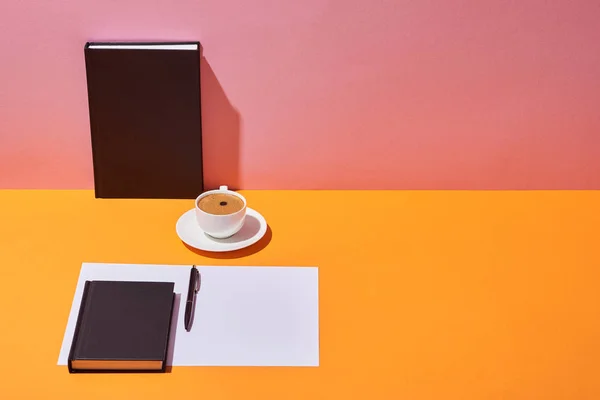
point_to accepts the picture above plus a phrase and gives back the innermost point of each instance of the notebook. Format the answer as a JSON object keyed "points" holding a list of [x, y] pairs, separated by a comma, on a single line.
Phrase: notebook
{"points": [[122, 326], [145, 119]]}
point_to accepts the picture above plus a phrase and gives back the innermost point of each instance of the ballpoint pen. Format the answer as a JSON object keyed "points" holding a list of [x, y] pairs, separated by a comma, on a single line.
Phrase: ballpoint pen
{"points": [[190, 304]]}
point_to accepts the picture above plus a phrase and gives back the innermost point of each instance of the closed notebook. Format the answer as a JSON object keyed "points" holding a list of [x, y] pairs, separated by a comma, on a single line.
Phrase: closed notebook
{"points": [[122, 326], [145, 119]]}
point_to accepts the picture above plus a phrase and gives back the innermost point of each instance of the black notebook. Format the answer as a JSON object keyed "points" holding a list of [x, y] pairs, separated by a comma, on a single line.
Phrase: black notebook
{"points": [[145, 119], [122, 326]]}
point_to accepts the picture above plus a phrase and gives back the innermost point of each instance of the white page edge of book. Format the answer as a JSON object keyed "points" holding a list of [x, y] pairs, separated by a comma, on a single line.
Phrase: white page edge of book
{"points": [[149, 46]]}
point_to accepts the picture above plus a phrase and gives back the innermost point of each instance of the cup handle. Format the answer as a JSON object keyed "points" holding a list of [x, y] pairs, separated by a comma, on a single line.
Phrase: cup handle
{"points": [[223, 188]]}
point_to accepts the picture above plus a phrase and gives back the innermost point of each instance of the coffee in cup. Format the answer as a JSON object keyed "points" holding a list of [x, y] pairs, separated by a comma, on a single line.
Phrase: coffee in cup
{"points": [[220, 213], [220, 204]]}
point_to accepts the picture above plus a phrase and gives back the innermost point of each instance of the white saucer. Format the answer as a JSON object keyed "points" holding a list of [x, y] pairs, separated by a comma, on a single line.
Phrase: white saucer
{"points": [[190, 233]]}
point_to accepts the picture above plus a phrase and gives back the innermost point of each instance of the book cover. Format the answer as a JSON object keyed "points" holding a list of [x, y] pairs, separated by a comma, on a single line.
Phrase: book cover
{"points": [[145, 119], [122, 326]]}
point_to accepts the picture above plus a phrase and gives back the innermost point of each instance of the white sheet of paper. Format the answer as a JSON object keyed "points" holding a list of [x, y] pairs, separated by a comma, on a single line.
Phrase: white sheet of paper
{"points": [[245, 316]]}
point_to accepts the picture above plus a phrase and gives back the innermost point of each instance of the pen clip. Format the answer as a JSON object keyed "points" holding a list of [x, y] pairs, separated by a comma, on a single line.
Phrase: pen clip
{"points": [[198, 279]]}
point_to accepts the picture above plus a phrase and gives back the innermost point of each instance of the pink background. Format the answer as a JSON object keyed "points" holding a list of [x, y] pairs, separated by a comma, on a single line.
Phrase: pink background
{"points": [[335, 94]]}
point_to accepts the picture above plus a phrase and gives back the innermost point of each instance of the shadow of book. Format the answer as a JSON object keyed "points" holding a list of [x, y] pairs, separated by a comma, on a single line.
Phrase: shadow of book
{"points": [[221, 124]]}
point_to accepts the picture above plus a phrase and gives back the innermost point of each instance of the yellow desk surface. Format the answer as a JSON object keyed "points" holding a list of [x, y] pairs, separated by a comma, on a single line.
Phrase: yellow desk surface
{"points": [[423, 295]]}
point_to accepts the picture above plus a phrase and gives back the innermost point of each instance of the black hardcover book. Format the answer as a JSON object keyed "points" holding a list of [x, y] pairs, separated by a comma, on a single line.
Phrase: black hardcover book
{"points": [[122, 326], [145, 119]]}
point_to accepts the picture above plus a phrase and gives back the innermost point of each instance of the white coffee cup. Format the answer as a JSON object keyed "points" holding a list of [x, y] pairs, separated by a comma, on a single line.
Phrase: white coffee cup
{"points": [[220, 226]]}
